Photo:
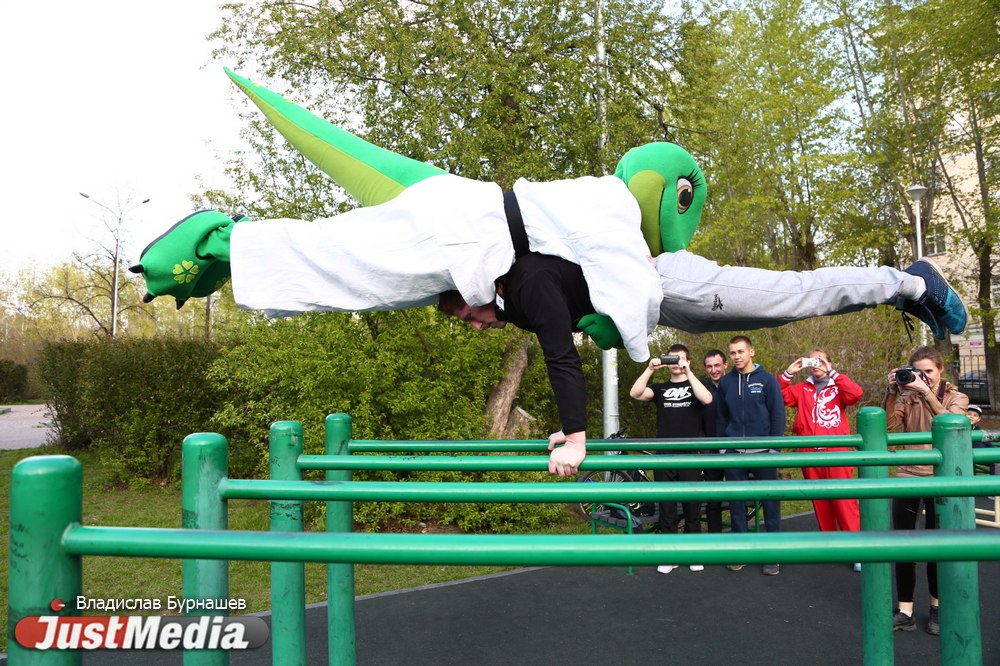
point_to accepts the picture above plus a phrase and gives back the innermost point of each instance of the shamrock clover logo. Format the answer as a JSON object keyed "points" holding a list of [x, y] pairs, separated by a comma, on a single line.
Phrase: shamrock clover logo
{"points": [[185, 272]]}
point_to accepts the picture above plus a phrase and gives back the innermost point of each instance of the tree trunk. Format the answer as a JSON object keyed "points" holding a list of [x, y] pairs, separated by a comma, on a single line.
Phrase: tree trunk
{"points": [[498, 405]]}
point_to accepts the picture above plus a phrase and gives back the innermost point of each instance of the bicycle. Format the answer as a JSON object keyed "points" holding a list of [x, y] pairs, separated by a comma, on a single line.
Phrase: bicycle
{"points": [[598, 510], [592, 509]]}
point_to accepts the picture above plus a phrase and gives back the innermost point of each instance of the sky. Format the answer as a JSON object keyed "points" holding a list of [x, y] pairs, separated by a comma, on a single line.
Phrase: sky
{"points": [[116, 98]]}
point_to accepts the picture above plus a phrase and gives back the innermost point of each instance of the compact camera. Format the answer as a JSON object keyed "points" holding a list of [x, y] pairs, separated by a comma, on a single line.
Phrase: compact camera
{"points": [[811, 363], [672, 359], [907, 375]]}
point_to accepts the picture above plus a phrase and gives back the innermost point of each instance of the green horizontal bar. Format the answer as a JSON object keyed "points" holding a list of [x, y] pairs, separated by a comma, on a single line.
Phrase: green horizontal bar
{"points": [[630, 444], [529, 445], [898, 438], [985, 455], [599, 462], [536, 550], [557, 493]]}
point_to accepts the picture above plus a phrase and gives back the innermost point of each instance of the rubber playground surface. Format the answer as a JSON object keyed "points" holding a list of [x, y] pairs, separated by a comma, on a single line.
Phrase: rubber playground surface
{"points": [[809, 614]]}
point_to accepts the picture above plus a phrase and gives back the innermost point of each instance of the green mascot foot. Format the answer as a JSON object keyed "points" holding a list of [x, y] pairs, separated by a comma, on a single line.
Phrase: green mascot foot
{"points": [[190, 259]]}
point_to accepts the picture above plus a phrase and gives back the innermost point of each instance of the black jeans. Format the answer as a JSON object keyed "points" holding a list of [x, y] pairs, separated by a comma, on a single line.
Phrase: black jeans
{"points": [[713, 510], [905, 516], [668, 510]]}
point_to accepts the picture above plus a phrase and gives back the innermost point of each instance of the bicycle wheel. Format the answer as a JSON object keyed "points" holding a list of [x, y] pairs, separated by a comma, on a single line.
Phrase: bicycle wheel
{"points": [[598, 476]]}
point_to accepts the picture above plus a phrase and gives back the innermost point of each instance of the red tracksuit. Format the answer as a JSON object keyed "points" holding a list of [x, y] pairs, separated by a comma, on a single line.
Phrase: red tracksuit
{"points": [[823, 414]]}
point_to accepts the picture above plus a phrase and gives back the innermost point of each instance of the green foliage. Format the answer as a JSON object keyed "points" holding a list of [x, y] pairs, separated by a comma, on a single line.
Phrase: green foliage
{"points": [[133, 401], [59, 369], [486, 89], [13, 380], [400, 375]]}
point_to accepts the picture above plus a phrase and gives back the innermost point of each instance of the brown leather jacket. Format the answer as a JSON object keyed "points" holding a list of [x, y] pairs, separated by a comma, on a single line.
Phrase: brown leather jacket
{"points": [[909, 412]]}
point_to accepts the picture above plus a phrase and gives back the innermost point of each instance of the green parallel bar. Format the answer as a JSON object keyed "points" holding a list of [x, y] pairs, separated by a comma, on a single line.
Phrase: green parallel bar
{"points": [[986, 455], [708, 443], [536, 550], [926, 437], [958, 582], [288, 579], [683, 461], [340, 577], [559, 493], [876, 577], [204, 465], [538, 445], [46, 497]]}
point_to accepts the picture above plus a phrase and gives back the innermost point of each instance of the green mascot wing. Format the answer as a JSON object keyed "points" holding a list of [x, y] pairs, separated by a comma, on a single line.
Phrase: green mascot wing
{"points": [[370, 174]]}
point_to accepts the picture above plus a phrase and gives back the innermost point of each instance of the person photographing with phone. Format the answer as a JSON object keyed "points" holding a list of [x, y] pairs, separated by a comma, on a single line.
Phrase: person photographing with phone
{"points": [[914, 396], [820, 402], [680, 407]]}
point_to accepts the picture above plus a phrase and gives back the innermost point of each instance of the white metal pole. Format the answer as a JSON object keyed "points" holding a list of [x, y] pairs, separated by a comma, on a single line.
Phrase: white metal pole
{"points": [[609, 358], [916, 193]]}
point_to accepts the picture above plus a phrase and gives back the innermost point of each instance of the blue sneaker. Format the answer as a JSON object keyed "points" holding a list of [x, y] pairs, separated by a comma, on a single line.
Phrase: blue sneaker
{"points": [[940, 307]]}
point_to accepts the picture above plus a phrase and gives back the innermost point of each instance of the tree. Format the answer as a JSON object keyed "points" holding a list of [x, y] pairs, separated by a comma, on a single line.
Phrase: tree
{"points": [[758, 92], [926, 91]]}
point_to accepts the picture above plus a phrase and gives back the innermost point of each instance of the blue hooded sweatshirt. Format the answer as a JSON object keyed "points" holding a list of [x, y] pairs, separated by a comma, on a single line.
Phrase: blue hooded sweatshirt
{"points": [[749, 405]]}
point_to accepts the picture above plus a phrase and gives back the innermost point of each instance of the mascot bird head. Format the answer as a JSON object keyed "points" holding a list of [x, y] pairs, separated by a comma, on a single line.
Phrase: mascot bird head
{"points": [[670, 189]]}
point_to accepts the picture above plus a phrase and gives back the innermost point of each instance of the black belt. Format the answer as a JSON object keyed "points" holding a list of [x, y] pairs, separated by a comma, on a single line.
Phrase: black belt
{"points": [[518, 236]]}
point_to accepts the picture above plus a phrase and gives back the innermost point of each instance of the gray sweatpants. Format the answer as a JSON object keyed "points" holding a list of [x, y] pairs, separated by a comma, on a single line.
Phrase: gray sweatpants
{"points": [[700, 296]]}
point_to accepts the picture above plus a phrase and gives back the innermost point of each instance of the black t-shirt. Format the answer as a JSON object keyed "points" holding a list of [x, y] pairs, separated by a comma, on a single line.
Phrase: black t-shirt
{"points": [[547, 296], [679, 413]]}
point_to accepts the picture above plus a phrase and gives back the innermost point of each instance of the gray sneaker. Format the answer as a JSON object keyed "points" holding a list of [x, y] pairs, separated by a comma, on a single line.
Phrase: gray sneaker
{"points": [[770, 569], [903, 622], [933, 625], [735, 567]]}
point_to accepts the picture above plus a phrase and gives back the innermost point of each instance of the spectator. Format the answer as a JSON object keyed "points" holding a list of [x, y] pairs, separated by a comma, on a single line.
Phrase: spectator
{"points": [[716, 365], [750, 405], [680, 406], [819, 402], [975, 414], [912, 400]]}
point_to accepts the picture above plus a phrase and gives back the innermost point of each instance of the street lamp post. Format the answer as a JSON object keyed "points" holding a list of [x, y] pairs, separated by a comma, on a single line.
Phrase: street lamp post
{"points": [[917, 193], [120, 216]]}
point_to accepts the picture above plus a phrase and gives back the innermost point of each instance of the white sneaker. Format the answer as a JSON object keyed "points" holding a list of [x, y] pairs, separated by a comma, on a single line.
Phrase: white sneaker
{"points": [[697, 567], [857, 566], [666, 568]]}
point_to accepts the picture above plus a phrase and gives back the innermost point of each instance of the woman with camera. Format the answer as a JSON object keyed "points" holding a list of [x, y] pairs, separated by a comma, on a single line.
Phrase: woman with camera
{"points": [[916, 394]]}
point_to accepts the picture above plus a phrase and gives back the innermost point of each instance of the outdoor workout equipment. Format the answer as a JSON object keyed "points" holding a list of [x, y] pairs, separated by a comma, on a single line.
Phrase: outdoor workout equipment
{"points": [[48, 539]]}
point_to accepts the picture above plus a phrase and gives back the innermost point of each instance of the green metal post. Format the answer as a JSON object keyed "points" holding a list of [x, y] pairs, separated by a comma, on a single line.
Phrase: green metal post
{"points": [[958, 582], [876, 577], [46, 497], [340, 577], [288, 579], [204, 464]]}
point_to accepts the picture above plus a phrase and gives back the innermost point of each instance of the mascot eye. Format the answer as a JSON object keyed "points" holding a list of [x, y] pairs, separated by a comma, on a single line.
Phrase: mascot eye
{"points": [[685, 194]]}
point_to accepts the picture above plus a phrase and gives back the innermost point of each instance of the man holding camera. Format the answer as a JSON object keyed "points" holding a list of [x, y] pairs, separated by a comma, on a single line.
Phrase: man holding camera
{"points": [[820, 402], [680, 408]]}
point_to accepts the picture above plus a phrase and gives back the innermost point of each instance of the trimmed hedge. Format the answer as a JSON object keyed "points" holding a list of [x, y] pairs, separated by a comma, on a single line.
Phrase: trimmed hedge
{"points": [[134, 401], [13, 380]]}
